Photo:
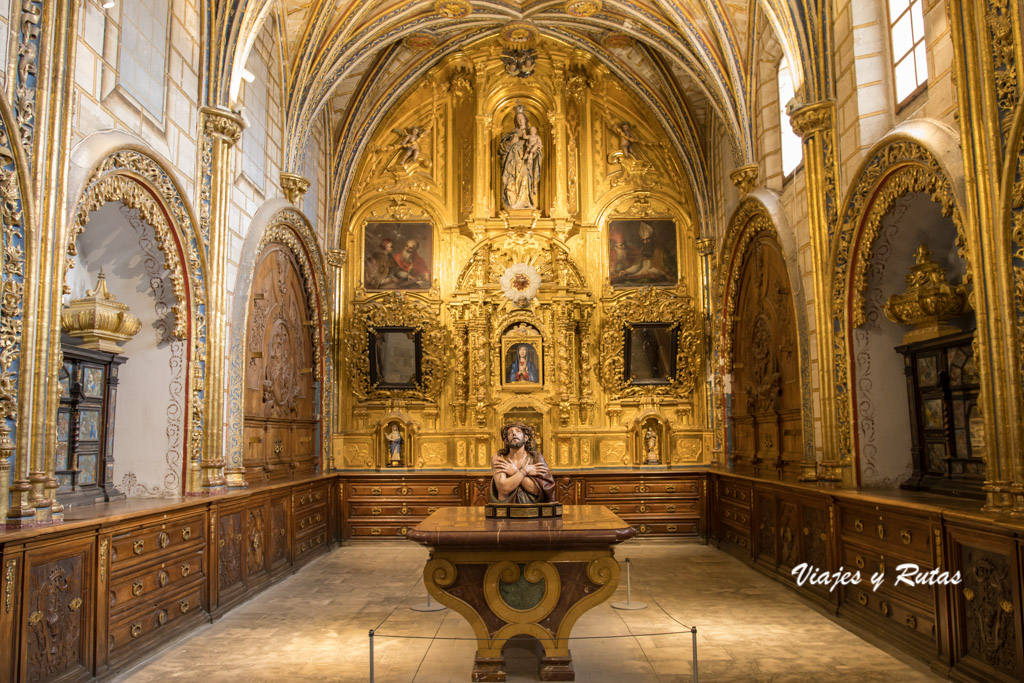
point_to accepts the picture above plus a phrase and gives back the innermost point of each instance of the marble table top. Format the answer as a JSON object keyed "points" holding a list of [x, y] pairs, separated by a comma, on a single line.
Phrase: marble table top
{"points": [[467, 527]]}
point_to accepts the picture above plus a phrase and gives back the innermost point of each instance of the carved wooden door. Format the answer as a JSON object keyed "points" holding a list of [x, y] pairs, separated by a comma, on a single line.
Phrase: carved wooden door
{"points": [[766, 418], [280, 391]]}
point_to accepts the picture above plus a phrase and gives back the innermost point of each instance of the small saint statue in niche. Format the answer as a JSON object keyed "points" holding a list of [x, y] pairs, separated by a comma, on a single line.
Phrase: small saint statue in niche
{"points": [[651, 446], [521, 152], [520, 473], [394, 443]]}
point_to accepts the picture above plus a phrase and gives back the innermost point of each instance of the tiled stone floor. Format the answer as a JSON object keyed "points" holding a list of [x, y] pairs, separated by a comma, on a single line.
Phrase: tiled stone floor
{"points": [[313, 626]]}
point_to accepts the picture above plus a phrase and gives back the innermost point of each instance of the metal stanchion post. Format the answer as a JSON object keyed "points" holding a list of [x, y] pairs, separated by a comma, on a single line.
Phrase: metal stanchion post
{"points": [[371, 655], [629, 604], [429, 607], [693, 630]]}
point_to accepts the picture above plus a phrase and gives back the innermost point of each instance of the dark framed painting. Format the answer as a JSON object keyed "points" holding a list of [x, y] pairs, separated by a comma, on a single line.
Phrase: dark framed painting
{"points": [[395, 357], [642, 253], [650, 353], [398, 256]]}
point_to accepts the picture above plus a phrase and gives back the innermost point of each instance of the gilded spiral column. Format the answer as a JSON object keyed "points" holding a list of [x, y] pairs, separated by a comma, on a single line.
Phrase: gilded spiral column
{"points": [[815, 124], [223, 129]]}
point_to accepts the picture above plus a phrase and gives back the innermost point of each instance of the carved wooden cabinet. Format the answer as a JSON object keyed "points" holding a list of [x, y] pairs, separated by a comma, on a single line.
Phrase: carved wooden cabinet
{"points": [[387, 507], [945, 421], [879, 539], [85, 426], [309, 524], [732, 504], [656, 504], [152, 578]]}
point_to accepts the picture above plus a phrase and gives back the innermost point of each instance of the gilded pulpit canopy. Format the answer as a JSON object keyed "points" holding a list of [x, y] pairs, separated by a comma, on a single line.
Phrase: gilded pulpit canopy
{"points": [[520, 473]]}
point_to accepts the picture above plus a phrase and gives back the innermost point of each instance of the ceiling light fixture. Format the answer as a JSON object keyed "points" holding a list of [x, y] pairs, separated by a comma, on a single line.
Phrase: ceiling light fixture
{"points": [[107, 4], [248, 76]]}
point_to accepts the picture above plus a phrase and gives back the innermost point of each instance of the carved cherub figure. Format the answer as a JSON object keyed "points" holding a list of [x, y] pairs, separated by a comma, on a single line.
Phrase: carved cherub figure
{"points": [[410, 143]]}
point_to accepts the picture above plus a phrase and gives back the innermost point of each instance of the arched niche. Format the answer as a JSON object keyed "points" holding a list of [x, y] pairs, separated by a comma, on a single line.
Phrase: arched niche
{"points": [[281, 418], [280, 241], [136, 179], [149, 435], [883, 419], [762, 332], [913, 159], [766, 407]]}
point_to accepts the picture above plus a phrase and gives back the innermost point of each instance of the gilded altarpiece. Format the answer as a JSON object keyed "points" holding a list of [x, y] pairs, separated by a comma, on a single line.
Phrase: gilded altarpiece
{"points": [[521, 318], [280, 395]]}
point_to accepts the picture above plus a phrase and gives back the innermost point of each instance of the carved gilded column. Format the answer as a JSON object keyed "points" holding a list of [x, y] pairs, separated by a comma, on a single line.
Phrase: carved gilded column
{"points": [[815, 124], [223, 129], [481, 159], [336, 259], [479, 362], [988, 75], [559, 207], [565, 361], [460, 390], [586, 367]]}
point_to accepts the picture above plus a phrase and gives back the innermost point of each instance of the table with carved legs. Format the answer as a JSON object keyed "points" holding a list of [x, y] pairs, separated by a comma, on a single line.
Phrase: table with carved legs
{"points": [[511, 577]]}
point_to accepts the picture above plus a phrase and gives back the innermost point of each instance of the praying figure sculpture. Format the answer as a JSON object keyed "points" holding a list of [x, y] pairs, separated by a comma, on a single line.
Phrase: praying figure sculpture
{"points": [[651, 445], [520, 473], [521, 152]]}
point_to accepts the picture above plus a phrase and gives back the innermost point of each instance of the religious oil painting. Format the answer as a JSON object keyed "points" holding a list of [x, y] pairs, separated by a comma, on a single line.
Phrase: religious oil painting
{"points": [[398, 256], [650, 353], [522, 358], [395, 357], [933, 413], [87, 469], [642, 253], [92, 385], [89, 425], [927, 372]]}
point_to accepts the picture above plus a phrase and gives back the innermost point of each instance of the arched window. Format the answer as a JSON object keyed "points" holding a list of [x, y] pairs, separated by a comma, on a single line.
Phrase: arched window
{"points": [[142, 58], [792, 145]]}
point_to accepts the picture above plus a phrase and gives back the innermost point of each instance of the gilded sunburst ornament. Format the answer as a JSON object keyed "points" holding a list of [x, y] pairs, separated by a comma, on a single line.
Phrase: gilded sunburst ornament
{"points": [[520, 283], [519, 35], [421, 40]]}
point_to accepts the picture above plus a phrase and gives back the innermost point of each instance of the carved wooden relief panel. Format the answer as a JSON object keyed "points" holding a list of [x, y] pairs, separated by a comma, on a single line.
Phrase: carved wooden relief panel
{"points": [[278, 532], [987, 597], [256, 541], [58, 629], [230, 554], [280, 395], [766, 374]]}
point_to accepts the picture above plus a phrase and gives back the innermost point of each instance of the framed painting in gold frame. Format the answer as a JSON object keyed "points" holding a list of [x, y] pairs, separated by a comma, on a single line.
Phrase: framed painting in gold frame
{"points": [[522, 365]]}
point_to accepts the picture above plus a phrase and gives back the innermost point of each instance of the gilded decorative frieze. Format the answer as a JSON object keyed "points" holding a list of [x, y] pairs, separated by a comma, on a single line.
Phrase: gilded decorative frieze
{"points": [[26, 73], [651, 305], [999, 19]]}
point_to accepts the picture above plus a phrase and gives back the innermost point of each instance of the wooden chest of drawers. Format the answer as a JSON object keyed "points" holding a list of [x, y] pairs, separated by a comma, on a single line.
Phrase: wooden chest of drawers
{"points": [[734, 498], [879, 539], [656, 504], [387, 507], [156, 576], [309, 520]]}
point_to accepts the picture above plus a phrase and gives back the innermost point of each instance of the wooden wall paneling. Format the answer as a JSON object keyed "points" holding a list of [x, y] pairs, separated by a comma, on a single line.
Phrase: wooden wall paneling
{"points": [[230, 552], [279, 533], [13, 557], [765, 546], [256, 540], [986, 640], [59, 608], [309, 520]]}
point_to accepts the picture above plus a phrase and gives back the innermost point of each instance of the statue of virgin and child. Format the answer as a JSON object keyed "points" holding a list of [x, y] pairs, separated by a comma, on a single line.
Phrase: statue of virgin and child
{"points": [[521, 151]]}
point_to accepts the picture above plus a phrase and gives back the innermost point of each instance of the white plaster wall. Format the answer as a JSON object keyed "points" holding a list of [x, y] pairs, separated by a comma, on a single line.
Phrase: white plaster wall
{"points": [[149, 422], [883, 420], [101, 104]]}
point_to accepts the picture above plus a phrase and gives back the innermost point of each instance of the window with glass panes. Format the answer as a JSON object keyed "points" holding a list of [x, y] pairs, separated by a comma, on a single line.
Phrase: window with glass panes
{"points": [[906, 31], [792, 145]]}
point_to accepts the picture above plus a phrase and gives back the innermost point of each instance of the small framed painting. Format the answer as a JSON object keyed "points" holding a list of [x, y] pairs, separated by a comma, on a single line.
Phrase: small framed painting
{"points": [[650, 353], [642, 253], [522, 353], [395, 357], [398, 256]]}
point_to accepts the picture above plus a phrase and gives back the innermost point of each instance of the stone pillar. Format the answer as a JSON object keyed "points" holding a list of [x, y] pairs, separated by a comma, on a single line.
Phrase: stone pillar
{"points": [[223, 129], [815, 124]]}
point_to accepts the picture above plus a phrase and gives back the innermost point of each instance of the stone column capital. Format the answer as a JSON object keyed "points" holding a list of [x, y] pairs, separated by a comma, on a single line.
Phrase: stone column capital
{"points": [[808, 119], [744, 178], [222, 124], [294, 186]]}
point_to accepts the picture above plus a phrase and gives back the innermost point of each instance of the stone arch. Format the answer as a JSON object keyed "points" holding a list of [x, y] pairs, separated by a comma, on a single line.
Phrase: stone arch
{"points": [[761, 215], [137, 178], [280, 222], [919, 156]]}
